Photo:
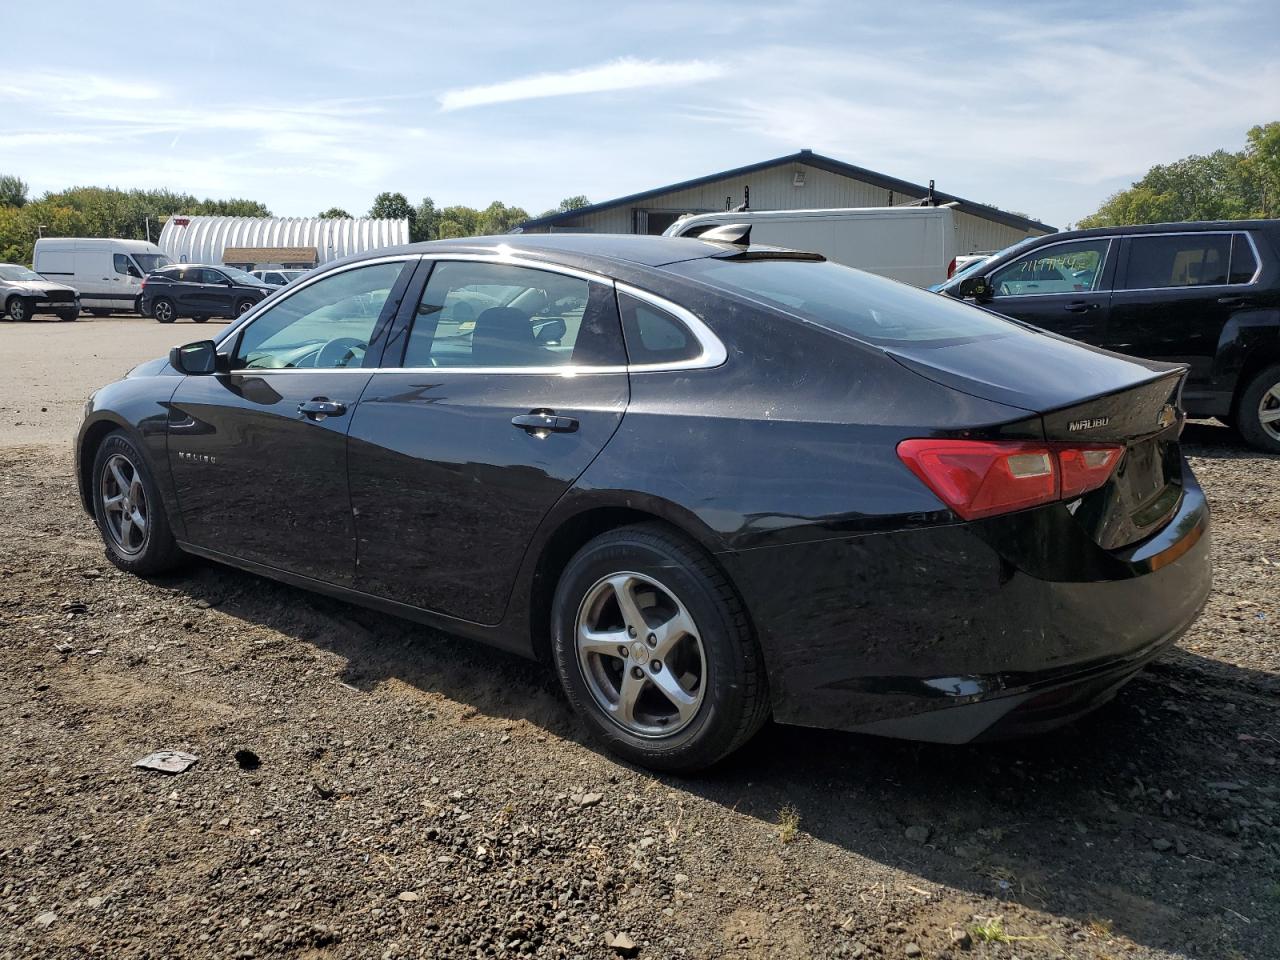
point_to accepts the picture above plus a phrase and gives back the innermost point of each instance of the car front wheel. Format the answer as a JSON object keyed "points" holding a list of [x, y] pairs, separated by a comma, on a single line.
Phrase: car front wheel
{"points": [[1258, 414], [19, 308], [129, 512], [244, 306], [655, 652]]}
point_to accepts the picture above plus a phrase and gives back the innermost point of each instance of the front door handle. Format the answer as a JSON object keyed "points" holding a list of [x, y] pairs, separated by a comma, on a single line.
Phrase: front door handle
{"points": [[1235, 301], [541, 422], [1079, 306], [320, 407]]}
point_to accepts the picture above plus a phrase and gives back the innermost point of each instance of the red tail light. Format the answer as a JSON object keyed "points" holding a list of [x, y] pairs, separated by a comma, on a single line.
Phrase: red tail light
{"points": [[951, 268], [982, 478]]}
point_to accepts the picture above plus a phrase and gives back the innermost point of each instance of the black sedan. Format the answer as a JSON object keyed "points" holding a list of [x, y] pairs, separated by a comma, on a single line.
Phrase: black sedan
{"points": [[710, 482], [199, 291]]}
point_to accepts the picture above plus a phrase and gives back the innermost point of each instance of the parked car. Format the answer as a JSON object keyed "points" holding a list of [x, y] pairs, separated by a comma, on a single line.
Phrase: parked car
{"points": [[200, 291], [107, 273], [277, 278], [24, 293], [709, 483], [916, 245], [1204, 294]]}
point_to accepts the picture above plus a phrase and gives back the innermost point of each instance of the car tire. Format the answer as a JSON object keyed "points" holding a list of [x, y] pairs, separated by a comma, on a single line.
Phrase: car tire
{"points": [[127, 508], [163, 310], [1258, 412], [68, 314], [19, 308], [244, 306], [101, 313], [200, 318], [691, 617]]}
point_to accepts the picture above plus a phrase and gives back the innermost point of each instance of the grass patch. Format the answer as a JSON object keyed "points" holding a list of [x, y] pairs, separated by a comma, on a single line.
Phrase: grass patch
{"points": [[991, 930], [788, 824]]}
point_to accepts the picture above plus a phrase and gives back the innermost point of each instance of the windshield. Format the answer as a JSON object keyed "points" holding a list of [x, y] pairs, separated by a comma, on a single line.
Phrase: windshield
{"points": [[11, 271], [869, 308], [151, 261], [241, 276]]}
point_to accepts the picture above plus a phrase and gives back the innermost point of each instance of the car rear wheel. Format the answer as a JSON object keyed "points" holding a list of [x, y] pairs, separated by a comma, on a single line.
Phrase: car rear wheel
{"points": [[1258, 414], [68, 314], [19, 308], [101, 313], [129, 512], [163, 310], [200, 318], [655, 652]]}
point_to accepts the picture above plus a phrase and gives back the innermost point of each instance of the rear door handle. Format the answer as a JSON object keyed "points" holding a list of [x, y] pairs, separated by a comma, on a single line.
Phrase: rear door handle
{"points": [[321, 407], [1236, 301], [544, 422], [1079, 307]]}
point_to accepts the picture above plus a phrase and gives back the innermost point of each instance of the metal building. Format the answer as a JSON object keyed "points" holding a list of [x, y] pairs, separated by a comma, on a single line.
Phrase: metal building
{"points": [[798, 181], [275, 241]]}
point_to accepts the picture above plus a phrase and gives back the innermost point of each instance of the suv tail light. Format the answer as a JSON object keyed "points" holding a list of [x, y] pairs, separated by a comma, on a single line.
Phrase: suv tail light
{"points": [[982, 478], [951, 268]]}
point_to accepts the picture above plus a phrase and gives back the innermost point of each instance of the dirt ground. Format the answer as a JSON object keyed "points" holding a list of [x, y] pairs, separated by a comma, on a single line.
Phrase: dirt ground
{"points": [[409, 794]]}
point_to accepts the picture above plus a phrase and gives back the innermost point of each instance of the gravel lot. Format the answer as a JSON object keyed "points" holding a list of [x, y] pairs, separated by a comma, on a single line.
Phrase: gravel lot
{"points": [[409, 794]]}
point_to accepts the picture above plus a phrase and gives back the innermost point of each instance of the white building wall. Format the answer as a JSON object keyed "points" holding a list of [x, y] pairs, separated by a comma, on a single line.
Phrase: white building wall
{"points": [[203, 239]]}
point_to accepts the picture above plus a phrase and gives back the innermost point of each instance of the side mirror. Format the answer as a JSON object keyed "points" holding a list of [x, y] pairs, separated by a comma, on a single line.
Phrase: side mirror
{"points": [[979, 288], [197, 359], [550, 331]]}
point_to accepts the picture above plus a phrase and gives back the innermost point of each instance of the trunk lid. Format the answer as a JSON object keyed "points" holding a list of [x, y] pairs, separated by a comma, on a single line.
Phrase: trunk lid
{"points": [[1082, 395]]}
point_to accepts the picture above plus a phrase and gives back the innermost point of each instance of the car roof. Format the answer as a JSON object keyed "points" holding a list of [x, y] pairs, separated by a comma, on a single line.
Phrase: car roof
{"points": [[1187, 226]]}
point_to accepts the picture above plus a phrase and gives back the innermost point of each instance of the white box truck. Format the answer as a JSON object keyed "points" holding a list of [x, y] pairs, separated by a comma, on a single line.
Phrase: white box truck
{"points": [[916, 245], [107, 273]]}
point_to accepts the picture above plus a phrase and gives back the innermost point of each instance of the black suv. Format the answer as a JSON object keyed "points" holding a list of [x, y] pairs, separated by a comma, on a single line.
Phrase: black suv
{"points": [[1204, 294], [198, 291]]}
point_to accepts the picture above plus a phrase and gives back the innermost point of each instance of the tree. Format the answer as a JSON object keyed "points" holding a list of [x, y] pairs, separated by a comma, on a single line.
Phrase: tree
{"points": [[334, 213], [13, 191], [1262, 155], [392, 206], [567, 204], [426, 222], [499, 218], [458, 221]]}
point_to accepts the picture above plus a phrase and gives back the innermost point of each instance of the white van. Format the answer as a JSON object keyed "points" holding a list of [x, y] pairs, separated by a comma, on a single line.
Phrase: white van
{"points": [[106, 273], [916, 245]]}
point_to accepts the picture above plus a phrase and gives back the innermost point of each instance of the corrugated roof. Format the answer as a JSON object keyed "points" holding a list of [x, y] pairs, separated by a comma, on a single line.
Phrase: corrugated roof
{"points": [[203, 239], [814, 160]]}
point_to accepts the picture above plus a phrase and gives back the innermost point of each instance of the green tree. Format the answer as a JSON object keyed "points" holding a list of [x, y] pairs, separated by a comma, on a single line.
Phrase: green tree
{"points": [[567, 204], [334, 213], [392, 206], [13, 191], [426, 222], [499, 218], [458, 221], [1262, 155]]}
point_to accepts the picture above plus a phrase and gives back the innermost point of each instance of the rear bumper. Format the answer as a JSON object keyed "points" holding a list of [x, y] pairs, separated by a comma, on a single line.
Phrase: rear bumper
{"points": [[936, 634]]}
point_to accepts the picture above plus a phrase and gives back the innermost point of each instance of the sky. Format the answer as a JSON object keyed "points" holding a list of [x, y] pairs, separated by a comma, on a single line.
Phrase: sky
{"points": [[1039, 107]]}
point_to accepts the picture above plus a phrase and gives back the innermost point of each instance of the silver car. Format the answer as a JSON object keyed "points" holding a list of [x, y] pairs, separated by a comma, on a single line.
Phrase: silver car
{"points": [[23, 292]]}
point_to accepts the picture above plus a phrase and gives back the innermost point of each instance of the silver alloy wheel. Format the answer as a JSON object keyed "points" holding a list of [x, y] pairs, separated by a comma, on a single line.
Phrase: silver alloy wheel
{"points": [[18, 309], [641, 655], [245, 307], [124, 504], [1269, 412], [162, 311]]}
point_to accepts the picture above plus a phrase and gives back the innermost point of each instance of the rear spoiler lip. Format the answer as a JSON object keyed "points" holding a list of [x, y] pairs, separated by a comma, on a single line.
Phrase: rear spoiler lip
{"points": [[1169, 370]]}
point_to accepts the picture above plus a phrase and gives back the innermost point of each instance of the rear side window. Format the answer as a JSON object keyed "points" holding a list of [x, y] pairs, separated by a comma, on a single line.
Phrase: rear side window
{"points": [[867, 307], [1244, 262], [653, 335], [1178, 260]]}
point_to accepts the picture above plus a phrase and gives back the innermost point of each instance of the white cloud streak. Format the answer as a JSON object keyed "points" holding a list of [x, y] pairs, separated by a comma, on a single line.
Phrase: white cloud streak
{"points": [[625, 73]]}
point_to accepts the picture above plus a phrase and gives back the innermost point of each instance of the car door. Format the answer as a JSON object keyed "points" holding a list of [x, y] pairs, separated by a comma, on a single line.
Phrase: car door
{"points": [[1064, 288], [1175, 293], [510, 380], [258, 452], [216, 292]]}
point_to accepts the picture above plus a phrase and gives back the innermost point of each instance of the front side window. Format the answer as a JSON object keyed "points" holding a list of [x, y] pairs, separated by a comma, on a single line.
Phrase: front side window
{"points": [[1061, 268], [325, 325], [212, 276], [500, 315], [1178, 260], [125, 266]]}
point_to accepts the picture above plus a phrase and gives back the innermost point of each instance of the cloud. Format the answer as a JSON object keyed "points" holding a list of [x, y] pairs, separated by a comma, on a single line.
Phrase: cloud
{"points": [[51, 87], [625, 73]]}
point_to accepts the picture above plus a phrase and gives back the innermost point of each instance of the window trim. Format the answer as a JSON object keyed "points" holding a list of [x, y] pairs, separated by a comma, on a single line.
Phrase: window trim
{"points": [[1257, 259], [712, 354], [1103, 270]]}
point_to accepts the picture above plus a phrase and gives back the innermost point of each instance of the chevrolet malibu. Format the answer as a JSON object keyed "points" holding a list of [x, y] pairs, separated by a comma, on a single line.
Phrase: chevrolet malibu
{"points": [[711, 482]]}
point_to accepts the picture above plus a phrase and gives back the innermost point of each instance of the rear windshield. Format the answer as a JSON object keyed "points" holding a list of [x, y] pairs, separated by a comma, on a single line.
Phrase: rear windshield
{"points": [[850, 301]]}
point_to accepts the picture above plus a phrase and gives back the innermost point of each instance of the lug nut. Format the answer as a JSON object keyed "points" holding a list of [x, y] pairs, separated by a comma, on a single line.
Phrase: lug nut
{"points": [[622, 651], [637, 673], [631, 632], [655, 665], [651, 640]]}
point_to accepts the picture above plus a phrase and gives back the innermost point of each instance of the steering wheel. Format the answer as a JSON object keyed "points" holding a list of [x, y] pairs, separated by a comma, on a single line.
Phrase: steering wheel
{"points": [[340, 351]]}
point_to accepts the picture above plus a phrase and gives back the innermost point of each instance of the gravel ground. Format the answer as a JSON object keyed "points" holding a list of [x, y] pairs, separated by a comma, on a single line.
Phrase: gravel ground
{"points": [[369, 788]]}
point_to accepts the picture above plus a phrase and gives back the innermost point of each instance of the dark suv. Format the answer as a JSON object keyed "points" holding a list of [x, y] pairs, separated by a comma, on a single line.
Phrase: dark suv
{"points": [[198, 291], [1204, 294]]}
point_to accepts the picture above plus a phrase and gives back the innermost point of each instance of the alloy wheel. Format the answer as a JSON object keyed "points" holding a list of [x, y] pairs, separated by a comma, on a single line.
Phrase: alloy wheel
{"points": [[18, 309], [124, 505], [162, 311], [641, 655], [1269, 412]]}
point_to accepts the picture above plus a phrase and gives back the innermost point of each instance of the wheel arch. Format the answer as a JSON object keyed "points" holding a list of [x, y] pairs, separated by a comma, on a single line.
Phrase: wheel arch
{"points": [[91, 438], [1263, 355], [569, 532]]}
